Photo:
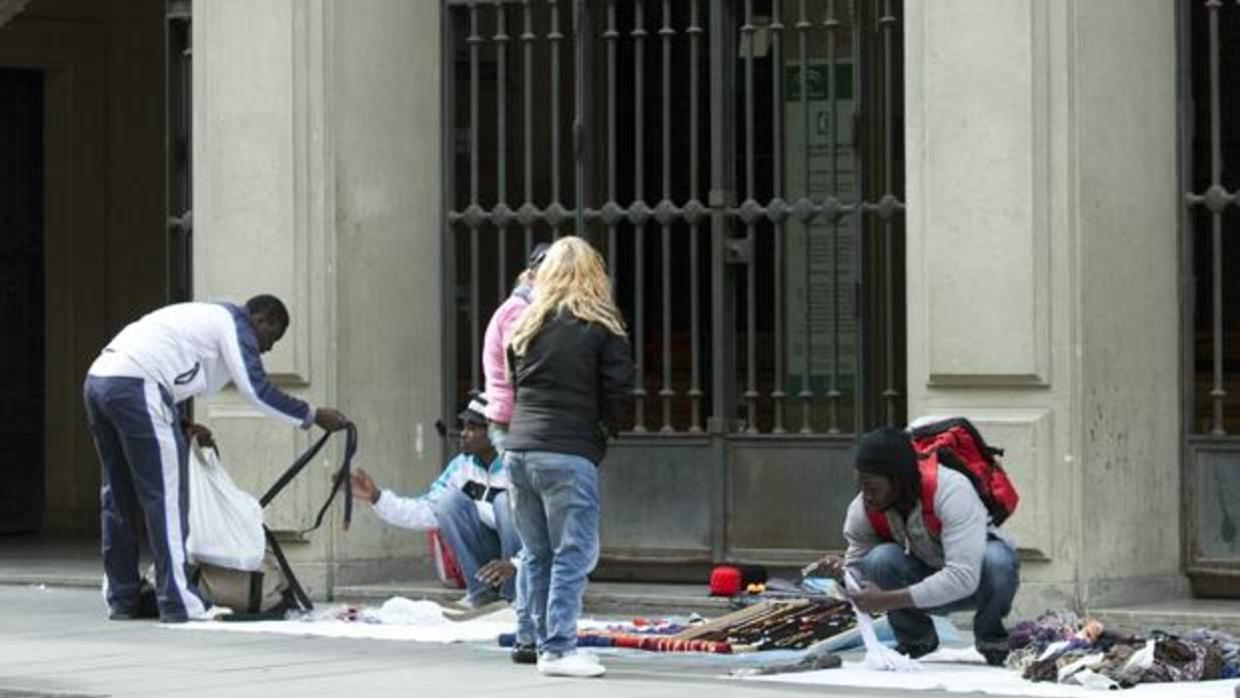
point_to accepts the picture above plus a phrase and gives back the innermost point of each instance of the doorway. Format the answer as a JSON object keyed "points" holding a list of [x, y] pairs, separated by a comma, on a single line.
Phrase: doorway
{"points": [[82, 236], [21, 299]]}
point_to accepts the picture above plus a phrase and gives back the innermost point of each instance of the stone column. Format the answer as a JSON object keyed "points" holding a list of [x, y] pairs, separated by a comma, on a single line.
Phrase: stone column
{"points": [[1042, 273], [316, 141], [386, 110]]}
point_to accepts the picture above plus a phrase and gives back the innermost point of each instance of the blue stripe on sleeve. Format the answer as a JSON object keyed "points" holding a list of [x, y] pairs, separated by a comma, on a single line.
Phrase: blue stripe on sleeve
{"points": [[270, 395]]}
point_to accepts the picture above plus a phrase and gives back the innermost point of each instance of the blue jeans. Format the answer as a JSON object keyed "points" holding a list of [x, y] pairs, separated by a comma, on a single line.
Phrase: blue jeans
{"points": [[556, 500], [889, 567], [473, 542], [525, 622]]}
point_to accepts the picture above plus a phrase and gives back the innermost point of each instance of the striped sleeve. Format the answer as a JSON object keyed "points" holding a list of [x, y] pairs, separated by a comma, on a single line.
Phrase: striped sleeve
{"points": [[245, 365]]}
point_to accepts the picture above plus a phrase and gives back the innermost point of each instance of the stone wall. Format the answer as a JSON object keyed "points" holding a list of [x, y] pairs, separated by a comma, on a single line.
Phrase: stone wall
{"points": [[1042, 277]]}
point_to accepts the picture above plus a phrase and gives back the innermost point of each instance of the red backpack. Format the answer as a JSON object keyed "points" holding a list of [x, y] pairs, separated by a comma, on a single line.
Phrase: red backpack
{"points": [[956, 444]]}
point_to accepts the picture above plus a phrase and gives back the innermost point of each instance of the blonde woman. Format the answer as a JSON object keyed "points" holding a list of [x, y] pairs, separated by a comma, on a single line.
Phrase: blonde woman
{"points": [[572, 370]]}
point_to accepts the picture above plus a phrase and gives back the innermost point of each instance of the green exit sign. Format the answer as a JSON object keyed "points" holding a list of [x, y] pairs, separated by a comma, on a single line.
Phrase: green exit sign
{"points": [[816, 76]]}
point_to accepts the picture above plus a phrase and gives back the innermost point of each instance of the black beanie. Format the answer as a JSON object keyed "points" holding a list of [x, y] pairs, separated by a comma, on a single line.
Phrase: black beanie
{"points": [[887, 451]]}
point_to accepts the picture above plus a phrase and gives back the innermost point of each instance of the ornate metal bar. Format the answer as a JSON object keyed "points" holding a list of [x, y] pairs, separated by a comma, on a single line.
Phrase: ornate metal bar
{"points": [[890, 393], [751, 335], [527, 124], [777, 216], [665, 212], [832, 25], [580, 96], [611, 208], [858, 229], [638, 215], [474, 40], [555, 38], [806, 215], [1218, 393], [694, 31], [502, 39]]}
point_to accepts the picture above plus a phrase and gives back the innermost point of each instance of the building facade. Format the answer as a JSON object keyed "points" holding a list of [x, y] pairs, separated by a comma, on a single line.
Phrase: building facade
{"points": [[820, 216]]}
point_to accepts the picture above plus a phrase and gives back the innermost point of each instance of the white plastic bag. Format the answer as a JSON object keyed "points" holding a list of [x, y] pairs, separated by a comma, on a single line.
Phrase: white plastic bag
{"points": [[878, 657], [225, 522]]}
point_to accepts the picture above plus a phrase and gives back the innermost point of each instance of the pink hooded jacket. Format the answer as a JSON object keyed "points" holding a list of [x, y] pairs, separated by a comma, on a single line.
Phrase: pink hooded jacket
{"points": [[494, 354]]}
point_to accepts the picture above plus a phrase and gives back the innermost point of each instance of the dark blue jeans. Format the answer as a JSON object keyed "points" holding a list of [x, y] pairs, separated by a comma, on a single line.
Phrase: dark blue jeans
{"points": [[890, 567]]}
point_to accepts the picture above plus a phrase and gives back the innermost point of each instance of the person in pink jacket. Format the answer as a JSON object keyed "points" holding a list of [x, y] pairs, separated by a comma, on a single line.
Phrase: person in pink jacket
{"points": [[499, 392], [500, 398]]}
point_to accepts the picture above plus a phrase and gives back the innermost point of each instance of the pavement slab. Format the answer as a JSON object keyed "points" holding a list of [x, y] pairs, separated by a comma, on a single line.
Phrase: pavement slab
{"points": [[58, 642]]}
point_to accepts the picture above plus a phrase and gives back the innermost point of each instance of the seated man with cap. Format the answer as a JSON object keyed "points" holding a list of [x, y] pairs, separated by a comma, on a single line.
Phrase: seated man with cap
{"points": [[468, 503], [910, 572]]}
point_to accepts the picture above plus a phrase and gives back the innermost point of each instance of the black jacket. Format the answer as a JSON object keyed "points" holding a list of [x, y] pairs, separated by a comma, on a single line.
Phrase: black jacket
{"points": [[572, 385]]}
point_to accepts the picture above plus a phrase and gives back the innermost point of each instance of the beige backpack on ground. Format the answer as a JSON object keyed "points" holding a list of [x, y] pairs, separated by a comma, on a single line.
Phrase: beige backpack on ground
{"points": [[264, 591]]}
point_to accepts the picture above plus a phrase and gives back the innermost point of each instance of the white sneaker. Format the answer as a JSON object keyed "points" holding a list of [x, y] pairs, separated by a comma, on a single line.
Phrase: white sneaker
{"points": [[213, 613], [576, 664]]}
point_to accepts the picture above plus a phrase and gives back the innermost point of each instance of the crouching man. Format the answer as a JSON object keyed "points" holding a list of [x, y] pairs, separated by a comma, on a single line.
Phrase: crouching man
{"points": [[934, 559], [469, 505]]}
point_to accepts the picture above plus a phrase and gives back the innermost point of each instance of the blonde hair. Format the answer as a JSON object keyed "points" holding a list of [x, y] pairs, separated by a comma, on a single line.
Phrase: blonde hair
{"points": [[571, 279]]}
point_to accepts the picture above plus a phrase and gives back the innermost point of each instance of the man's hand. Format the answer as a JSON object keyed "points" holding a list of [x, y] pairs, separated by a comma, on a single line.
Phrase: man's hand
{"points": [[330, 419], [831, 565], [197, 431], [496, 572], [871, 599], [364, 487]]}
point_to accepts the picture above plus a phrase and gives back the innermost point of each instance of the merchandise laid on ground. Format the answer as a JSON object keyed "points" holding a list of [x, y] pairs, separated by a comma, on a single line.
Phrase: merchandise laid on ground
{"points": [[1060, 654], [801, 641]]}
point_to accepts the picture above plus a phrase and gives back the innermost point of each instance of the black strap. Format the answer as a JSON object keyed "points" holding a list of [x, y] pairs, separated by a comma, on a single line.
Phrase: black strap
{"points": [[256, 592], [294, 586], [341, 480], [302, 461]]}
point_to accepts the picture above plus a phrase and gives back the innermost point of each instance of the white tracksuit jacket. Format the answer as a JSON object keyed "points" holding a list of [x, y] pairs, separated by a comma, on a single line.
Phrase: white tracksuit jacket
{"points": [[196, 349]]}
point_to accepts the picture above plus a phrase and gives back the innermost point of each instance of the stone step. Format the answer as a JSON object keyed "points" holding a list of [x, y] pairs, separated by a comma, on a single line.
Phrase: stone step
{"points": [[1174, 616]]}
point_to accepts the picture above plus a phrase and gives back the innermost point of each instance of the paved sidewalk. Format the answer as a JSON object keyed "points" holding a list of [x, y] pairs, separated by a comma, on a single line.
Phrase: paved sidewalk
{"points": [[57, 642]]}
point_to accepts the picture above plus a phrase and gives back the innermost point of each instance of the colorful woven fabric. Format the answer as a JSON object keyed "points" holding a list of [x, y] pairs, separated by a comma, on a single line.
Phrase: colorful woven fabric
{"points": [[667, 644]]}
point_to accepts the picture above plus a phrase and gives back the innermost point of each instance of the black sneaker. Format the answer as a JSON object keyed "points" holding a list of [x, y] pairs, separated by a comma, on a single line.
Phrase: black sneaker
{"points": [[524, 654], [995, 657], [916, 650]]}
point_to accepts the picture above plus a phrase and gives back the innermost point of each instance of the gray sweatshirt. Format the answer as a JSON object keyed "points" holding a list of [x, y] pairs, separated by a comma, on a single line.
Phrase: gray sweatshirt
{"points": [[956, 554]]}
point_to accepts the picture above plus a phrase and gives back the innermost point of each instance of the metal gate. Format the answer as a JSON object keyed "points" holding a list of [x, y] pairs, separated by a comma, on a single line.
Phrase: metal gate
{"points": [[1209, 143], [740, 166], [178, 151]]}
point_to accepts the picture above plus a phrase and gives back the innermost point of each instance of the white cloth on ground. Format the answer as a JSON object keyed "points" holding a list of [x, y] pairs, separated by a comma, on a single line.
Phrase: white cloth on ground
{"points": [[398, 618]]}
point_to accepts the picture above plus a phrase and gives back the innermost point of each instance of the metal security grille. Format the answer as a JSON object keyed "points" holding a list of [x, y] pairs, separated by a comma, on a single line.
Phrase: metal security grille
{"points": [[1210, 149], [178, 181], [740, 166]]}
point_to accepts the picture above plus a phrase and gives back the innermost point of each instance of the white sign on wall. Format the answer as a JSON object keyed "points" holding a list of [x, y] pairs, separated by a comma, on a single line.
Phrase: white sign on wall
{"points": [[823, 150]]}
